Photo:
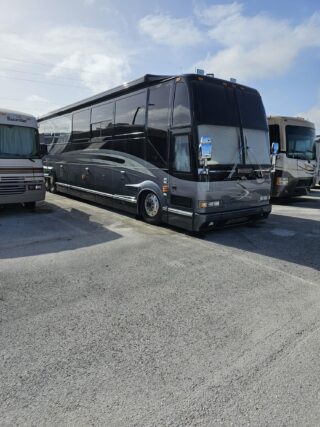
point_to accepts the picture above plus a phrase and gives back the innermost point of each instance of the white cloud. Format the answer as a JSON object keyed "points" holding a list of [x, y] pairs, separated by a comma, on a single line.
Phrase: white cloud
{"points": [[215, 13], [36, 98], [313, 115], [95, 58], [175, 32], [254, 46]]}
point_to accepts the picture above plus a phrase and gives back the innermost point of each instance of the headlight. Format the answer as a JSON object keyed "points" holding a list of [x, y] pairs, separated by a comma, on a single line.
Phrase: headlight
{"points": [[205, 204], [35, 187], [264, 198], [282, 181]]}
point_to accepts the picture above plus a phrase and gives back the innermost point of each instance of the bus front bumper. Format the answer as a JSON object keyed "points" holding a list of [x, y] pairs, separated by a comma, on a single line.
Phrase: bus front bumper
{"points": [[203, 222]]}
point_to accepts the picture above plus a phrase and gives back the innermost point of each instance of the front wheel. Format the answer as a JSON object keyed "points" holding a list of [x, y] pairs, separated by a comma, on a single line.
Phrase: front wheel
{"points": [[151, 208], [52, 185]]}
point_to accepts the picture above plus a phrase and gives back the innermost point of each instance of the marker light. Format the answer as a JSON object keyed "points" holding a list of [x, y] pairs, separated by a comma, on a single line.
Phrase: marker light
{"points": [[282, 181]]}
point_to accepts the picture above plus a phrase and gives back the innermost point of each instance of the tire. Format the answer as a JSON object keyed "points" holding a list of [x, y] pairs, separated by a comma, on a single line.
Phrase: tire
{"points": [[30, 205], [52, 185], [151, 209]]}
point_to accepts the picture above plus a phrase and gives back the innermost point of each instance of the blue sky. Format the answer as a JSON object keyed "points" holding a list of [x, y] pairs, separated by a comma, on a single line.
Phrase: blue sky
{"points": [[54, 53]]}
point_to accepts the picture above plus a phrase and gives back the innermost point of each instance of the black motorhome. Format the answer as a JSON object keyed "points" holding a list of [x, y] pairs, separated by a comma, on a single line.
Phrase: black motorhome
{"points": [[189, 150]]}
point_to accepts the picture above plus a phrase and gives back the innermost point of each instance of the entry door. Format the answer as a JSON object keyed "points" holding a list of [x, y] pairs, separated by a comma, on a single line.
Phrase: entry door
{"points": [[181, 178]]}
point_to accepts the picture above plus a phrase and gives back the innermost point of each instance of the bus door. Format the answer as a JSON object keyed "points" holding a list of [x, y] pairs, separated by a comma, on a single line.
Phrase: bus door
{"points": [[182, 183]]}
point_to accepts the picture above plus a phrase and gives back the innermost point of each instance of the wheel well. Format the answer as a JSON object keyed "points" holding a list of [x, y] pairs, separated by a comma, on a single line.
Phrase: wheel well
{"points": [[141, 196]]}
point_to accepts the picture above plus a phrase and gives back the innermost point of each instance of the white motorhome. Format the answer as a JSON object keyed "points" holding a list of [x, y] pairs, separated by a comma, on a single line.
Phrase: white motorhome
{"points": [[295, 156], [21, 169]]}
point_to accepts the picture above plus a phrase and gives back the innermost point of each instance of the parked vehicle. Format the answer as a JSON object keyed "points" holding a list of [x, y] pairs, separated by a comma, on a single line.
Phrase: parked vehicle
{"points": [[21, 170], [295, 158], [317, 174], [191, 151]]}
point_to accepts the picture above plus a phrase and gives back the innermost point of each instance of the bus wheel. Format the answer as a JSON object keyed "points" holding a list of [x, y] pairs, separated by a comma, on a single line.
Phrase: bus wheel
{"points": [[151, 208], [52, 185]]}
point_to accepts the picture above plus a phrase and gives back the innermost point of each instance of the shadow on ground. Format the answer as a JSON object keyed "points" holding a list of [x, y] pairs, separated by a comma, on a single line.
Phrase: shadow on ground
{"points": [[286, 238], [49, 229]]}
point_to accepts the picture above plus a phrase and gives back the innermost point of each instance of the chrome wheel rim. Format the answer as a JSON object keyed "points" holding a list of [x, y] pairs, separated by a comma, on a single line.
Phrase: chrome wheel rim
{"points": [[151, 205]]}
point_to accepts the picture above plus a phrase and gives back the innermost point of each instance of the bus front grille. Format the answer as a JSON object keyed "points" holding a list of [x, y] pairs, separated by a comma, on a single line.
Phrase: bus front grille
{"points": [[12, 185]]}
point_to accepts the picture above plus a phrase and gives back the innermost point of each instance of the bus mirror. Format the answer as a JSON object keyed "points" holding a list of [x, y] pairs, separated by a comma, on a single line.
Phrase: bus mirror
{"points": [[275, 148], [205, 148]]}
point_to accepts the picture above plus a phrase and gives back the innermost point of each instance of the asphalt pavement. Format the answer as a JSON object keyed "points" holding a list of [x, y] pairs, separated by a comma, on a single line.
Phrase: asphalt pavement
{"points": [[106, 320]]}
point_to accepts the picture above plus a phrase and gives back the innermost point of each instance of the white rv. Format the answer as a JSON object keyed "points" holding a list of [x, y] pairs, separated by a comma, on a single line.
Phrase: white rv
{"points": [[295, 155], [21, 170]]}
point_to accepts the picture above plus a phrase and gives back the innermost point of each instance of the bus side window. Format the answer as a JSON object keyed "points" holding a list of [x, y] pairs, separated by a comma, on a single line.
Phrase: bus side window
{"points": [[61, 134], [81, 125], [130, 111], [102, 120], [158, 122], [46, 133], [181, 106], [181, 154]]}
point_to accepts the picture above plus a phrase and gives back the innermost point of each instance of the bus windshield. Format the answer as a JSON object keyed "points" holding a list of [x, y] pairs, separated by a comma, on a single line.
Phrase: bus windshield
{"points": [[300, 142], [221, 110], [18, 141]]}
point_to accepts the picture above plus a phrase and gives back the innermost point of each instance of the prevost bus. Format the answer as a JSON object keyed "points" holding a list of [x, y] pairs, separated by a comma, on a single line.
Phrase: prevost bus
{"points": [[21, 170], [295, 163], [190, 150]]}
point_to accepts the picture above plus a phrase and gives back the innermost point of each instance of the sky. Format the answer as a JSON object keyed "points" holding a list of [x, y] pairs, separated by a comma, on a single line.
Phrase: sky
{"points": [[55, 53]]}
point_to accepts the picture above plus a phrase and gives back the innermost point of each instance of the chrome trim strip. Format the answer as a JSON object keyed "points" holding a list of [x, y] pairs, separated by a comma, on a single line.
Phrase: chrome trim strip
{"points": [[129, 199], [99, 193], [179, 212]]}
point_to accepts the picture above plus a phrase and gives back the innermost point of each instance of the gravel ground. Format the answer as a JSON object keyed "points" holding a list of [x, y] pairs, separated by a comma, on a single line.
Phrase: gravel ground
{"points": [[105, 320]]}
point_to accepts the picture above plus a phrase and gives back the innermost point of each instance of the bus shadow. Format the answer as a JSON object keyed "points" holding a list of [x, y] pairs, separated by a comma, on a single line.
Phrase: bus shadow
{"points": [[50, 229], [281, 237]]}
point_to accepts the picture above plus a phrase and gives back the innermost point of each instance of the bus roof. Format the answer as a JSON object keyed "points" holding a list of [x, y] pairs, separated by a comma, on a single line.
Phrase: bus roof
{"points": [[295, 121], [140, 83], [16, 118]]}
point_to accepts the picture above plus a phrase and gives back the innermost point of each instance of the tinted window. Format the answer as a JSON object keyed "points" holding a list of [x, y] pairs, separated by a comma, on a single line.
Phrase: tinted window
{"points": [[55, 133], [102, 113], [158, 120], [158, 106], [46, 132], [274, 134], [181, 154], [252, 111], [81, 125], [215, 104], [101, 129], [181, 107], [131, 110], [62, 129]]}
